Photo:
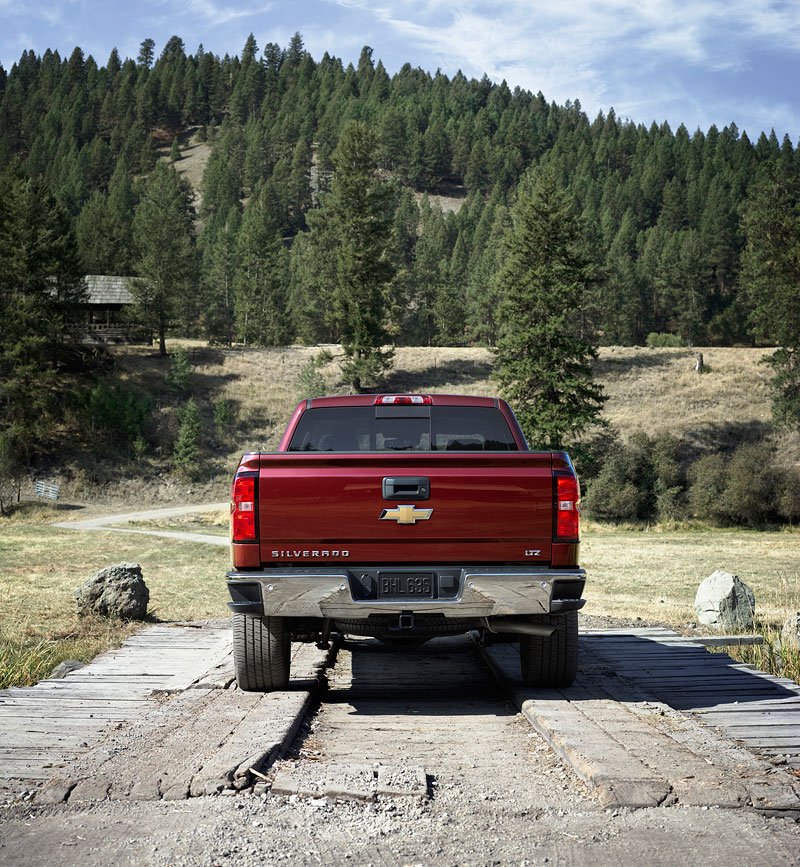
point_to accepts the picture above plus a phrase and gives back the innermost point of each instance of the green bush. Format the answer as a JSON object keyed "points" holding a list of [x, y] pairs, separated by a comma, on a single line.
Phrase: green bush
{"points": [[669, 479], [224, 416], [639, 481], [187, 445], [645, 479], [657, 340], [12, 471], [180, 371], [789, 495], [749, 498], [624, 488], [743, 490], [708, 477], [311, 383]]}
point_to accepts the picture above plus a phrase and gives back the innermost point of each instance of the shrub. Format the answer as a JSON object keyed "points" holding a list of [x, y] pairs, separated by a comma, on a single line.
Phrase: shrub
{"points": [[743, 490], [12, 471], [708, 477], [187, 446], [180, 371], [657, 340], [669, 479], [591, 452], [311, 383], [624, 488], [139, 448], [789, 495], [749, 497], [224, 416]]}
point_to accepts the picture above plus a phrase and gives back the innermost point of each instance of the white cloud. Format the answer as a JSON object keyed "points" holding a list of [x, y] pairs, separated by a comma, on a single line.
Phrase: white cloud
{"points": [[215, 14]]}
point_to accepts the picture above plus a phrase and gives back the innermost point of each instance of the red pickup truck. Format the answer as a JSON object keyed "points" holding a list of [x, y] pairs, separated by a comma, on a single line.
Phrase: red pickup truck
{"points": [[404, 517]]}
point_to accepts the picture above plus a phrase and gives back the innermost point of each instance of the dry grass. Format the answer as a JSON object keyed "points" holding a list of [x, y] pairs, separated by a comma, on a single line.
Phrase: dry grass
{"points": [[658, 390], [210, 523], [192, 164], [654, 573]]}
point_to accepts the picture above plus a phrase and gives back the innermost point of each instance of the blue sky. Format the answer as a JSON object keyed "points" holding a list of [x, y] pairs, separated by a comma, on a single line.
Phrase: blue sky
{"points": [[693, 61]]}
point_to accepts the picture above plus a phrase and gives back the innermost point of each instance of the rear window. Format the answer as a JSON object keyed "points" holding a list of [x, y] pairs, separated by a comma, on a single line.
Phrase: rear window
{"points": [[406, 429]]}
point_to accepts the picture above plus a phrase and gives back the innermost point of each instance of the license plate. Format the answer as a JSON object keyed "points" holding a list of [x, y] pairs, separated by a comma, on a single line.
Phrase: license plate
{"points": [[405, 585]]}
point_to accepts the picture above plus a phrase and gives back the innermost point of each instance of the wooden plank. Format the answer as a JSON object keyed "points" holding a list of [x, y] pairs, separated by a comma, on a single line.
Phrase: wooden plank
{"points": [[758, 718], [782, 730], [765, 704]]}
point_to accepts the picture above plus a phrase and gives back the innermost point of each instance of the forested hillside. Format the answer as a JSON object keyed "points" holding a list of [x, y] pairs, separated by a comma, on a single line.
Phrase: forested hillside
{"points": [[663, 208]]}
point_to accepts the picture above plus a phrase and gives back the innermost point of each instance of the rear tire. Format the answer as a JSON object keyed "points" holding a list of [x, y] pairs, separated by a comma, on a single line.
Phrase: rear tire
{"points": [[261, 652], [551, 661]]}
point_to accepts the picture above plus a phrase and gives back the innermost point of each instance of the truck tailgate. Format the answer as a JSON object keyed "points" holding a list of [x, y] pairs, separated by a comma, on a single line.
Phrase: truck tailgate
{"points": [[484, 507]]}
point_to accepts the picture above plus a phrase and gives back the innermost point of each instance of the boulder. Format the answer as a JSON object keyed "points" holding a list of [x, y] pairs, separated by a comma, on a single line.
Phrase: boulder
{"points": [[790, 634], [725, 601], [65, 667], [116, 591]]}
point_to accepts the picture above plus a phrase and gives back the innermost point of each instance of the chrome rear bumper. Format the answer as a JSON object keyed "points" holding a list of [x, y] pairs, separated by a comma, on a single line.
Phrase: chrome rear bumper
{"points": [[481, 592]]}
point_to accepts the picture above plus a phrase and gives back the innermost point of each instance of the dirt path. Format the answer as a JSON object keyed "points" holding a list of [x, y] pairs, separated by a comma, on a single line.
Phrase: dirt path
{"points": [[108, 523]]}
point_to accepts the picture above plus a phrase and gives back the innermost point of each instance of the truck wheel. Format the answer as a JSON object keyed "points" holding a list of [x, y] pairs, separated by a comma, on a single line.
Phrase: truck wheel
{"points": [[261, 652], [551, 661]]}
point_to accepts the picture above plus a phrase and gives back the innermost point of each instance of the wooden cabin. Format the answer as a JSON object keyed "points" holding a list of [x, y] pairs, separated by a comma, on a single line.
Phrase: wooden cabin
{"points": [[105, 313]]}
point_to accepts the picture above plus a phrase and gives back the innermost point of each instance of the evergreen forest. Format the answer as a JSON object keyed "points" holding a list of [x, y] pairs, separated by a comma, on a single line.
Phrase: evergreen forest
{"points": [[663, 210]]}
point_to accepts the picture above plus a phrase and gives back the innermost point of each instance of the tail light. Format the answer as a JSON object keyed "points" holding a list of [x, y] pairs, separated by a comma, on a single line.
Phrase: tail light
{"points": [[566, 505], [243, 509]]}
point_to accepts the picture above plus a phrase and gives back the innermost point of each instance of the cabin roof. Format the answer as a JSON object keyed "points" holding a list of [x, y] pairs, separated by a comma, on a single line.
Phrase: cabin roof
{"points": [[103, 289]]}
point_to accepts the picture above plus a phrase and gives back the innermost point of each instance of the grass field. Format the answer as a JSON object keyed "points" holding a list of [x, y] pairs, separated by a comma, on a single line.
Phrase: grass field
{"points": [[41, 566], [651, 574]]}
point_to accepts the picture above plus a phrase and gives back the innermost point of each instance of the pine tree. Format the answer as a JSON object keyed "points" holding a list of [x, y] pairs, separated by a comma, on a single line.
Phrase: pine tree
{"points": [[261, 276], [41, 280], [771, 276], [95, 244], [545, 350], [359, 211], [219, 268], [146, 53], [166, 263]]}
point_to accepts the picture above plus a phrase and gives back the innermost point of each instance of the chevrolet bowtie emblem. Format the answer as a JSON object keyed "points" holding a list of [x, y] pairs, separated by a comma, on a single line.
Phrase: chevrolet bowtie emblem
{"points": [[406, 514]]}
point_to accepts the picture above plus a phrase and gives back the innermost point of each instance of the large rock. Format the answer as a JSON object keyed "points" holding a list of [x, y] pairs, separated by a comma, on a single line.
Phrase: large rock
{"points": [[116, 591], [725, 601], [790, 634]]}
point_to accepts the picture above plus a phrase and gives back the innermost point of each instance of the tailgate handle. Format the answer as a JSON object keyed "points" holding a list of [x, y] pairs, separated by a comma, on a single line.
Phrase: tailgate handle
{"points": [[406, 488]]}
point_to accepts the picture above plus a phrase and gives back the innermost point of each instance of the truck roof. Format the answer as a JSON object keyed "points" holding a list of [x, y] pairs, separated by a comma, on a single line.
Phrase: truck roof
{"points": [[435, 399]]}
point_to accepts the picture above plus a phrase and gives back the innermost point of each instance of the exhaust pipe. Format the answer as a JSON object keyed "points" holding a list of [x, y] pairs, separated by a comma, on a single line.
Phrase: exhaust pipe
{"points": [[520, 627]]}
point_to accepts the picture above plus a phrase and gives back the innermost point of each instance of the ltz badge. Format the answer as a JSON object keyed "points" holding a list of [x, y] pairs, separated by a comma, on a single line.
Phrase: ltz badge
{"points": [[406, 514]]}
